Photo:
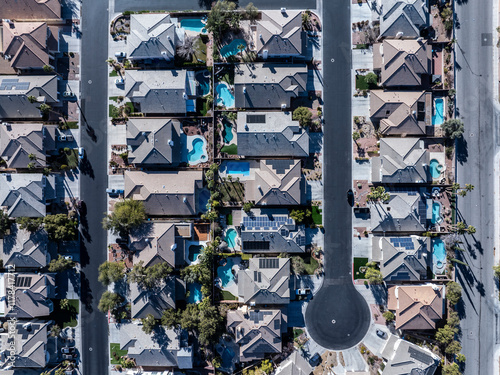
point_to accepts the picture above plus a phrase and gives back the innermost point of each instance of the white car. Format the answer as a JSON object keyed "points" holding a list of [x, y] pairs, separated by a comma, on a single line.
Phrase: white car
{"points": [[81, 152], [119, 81], [62, 138], [68, 94], [120, 54], [68, 257]]}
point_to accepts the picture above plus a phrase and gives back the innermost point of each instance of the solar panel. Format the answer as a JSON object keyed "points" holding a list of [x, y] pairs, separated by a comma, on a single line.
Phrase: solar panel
{"points": [[420, 356], [255, 245], [261, 222], [280, 166], [266, 263], [256, 119], [13, 84]]}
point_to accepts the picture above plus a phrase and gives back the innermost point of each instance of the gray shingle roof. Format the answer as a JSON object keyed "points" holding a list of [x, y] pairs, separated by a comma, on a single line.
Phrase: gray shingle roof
{"points": [[32, 295], [411, 359], [404, 16], [23, 249], [18, 141], [294, 364], [26, 44], [155, 243], [29, 9], [152, 301]]}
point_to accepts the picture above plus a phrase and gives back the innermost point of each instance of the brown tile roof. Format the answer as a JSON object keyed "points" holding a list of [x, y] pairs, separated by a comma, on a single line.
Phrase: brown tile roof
{"points": [[26, 43], [30, 9]]}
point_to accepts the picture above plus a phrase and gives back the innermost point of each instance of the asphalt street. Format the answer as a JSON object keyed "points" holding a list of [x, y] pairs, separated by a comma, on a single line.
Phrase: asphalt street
{"points": [[93, 182], [475, 156], [338, 317]]}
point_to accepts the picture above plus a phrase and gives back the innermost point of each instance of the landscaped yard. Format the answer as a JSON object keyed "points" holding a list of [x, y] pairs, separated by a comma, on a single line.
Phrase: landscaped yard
{"points": [[359, 262], [67, 159], [232, 191], [113, 73], [230, 150], [311, 265], [226, 296], [115, 353], [200, 50], [316, 215], [67, 317], [361, 83]]}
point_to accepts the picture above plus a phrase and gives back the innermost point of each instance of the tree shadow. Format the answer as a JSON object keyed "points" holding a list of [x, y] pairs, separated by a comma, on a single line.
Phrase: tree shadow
{"points": [[379, 293], [461, 150], [86, 296], [207, 4], [86, 168]]}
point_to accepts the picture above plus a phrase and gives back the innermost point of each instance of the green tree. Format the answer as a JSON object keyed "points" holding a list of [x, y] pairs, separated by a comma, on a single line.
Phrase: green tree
{"points": [[446, 334], [190, 317], [55, 330], [298, 265], [389, 316], [453, 348], [306, 20], [127, 215], [300, 215], [31, 224], [111, 272], [32, 99], [65, 304], [61, 227], [266, 366], [460, 358], [371, 78], [45, 108], [187, 49], [355, 137], [453, 319], [247, 206], [221, 18], [5, 223], [109, 301], [374, 276], [451, 369], [251, 12], [149, 277], [378, 193], [496, 271], [60, 264], [211, 325], [453, 292], [148, 324], [303, 116], [170, 318], [453, 128], [48, 69]]}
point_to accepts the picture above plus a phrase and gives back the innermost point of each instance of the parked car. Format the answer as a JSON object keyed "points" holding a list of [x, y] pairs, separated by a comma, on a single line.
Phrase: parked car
{"points": [[350, 197], [381, 334], [315, 360], [68, 94], [81, 152], [62, 138], [68, 349], [69, 357], [70, 138], [119, 81], [68, 257], [120, 54], [302, 291], [115, 191]]}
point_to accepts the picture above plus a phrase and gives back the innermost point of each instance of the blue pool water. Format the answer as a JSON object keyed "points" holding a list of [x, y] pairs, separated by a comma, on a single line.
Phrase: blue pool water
{"points": [[224, 96], [197, 154], [227, 357], [438, 252], [194, 293], [203, 200], [228, 131], [194, 251], [230, 237], [438, 117], [193, 24], [238, 167], [204, 81], [436, 210], [225, 274], [232, 48], [435, 168]]}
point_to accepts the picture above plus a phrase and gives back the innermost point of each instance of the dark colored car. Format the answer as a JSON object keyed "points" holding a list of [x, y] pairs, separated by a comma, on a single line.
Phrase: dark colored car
{"points": [[315, 360], [67, 350], [350, 197], [381, 334]]}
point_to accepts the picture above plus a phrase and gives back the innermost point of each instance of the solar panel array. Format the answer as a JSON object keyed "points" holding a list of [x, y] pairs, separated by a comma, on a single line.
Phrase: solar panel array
{"points": [[269, 263], [420, 356], [403, 189], [256, 119], [280, 166], [405, 242], [256, 245], [422, 212], [13, 84], [300, 240], [265, 223], [23, 282], [258, 316]]}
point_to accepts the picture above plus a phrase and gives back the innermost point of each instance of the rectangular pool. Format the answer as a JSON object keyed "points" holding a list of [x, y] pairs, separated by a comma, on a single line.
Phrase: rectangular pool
{"points": [[438, 117], [193, 24], [241, 168]]}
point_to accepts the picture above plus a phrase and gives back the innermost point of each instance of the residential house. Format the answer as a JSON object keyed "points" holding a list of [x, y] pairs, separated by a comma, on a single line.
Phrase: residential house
{"points": [[153, 301], [271, 231], [16, 92], [30, 10], [32, 295], [158, 91], [152, 36], [403, 357], [257, 332], [403, 63], [404, 212], [402, 258], [23, 249], [29, 342], [417, 307], [264, 86], [401, 161], [168, 193], [158, 242], [154, 142], [265, 282], [26, 194], [23, 144], [271, 134], [277, 34], [401, 113], [404, 18], [148, 352], [294, 364]]}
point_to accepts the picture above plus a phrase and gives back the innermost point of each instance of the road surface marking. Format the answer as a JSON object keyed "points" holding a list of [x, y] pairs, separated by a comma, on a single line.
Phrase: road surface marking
{"points": [[334, 321], [90, 349], [90, 81], [333, 60], [471, 134]]}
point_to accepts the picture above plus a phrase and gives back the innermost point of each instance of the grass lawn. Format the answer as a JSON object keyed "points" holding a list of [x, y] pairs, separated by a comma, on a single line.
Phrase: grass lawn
{"points": [[200, 51], [246, 256], [115, 348], [130, 105], [70, 159], [72, 124], [359, 262], [113, 73], [297, 332], [66, 318], [231, 149], [228, 77], [232, 191], [361, 83], [114, 98], [114, 111], [226, 296], [316, 216], [229, 219], [361, 46], [311, 265]]}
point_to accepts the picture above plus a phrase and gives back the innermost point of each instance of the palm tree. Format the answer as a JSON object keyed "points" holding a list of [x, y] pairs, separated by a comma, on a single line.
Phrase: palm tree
{"points": [[32, 99], [355, 137], [187, 50], [45, 108], [241, 47]]}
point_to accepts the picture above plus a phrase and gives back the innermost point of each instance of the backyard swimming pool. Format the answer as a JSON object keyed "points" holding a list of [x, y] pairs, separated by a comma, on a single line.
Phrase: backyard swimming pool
{"points": [[230, 237], [435, 168], [198, 150], [194, 293], [436, 213], [203, 79], [194, 251], [193, 24], [438, 117], [438, 254], [224, 95], [238, 167], [225, 274], [232, 48], [228, 131], [203, 200]]}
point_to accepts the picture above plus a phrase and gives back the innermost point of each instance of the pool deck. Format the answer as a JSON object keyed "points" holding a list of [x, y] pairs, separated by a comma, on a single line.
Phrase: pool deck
{"points": [[254, 165], [233, 287]]}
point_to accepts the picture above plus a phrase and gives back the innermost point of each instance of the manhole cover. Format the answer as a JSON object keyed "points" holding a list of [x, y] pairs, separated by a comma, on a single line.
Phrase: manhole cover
{"points": [[486, 39]]}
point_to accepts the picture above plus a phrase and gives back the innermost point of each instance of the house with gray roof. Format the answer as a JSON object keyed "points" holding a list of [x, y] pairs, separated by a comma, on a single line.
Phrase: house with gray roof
{"points": [[270, 134], [404, 18], [158, 92], [26, 194], [29, 342], [265, 282], [401, 113], [294, 364], [152, 36], [406, 358], [402, 258], [257, 331], [167, 193], [15, 91], [264, 86], [401, 161], [152, 301], [154, 142], [277, 34], [403, 63], [404, 212], [166, 353], [271, 231], [32, 295], [30, 10], [25, 250]]}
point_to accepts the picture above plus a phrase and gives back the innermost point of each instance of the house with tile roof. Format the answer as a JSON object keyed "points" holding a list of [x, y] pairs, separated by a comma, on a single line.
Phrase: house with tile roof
{"points": [[403, 357], [25, 250], [26, 194], [271, 231], [403, 63], [167, 193], [294, 364], [32, 295], [154, 142], [266, 85], [401, 161], [265, 282], [30, 343], [16, 90], [417, 307], [158, 92], [257, 331], [30, 10], [402, 258], [401, 113], [404, 18], [270, 134], [152, 36]]}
